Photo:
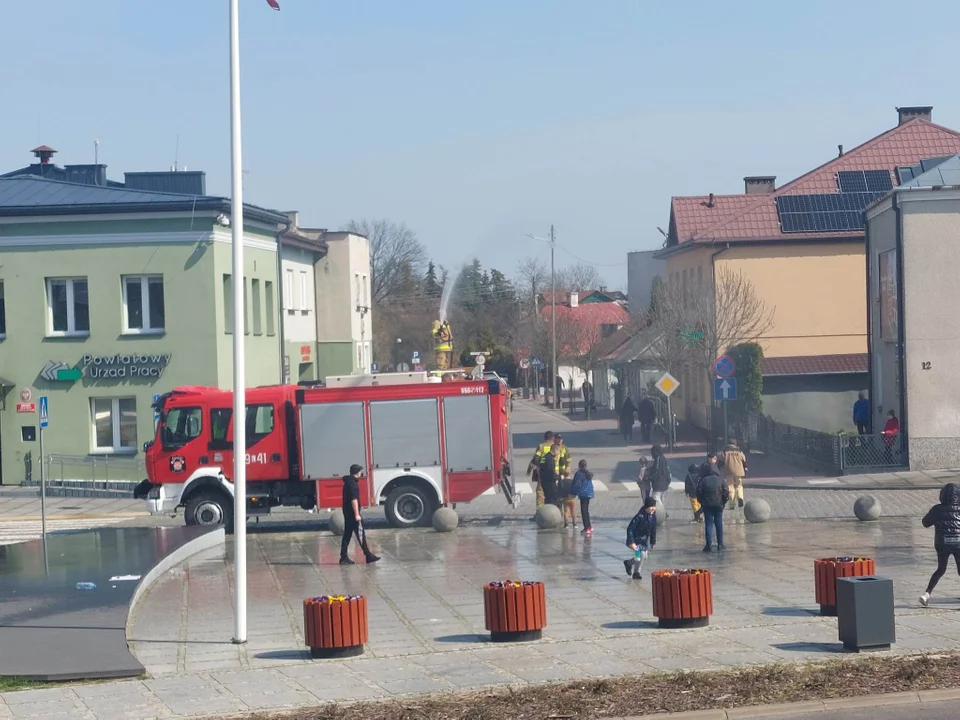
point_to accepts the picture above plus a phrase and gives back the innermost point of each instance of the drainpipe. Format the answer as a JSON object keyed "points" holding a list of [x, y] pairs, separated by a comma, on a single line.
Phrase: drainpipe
{"points": [[280, 300], [901, 334]]}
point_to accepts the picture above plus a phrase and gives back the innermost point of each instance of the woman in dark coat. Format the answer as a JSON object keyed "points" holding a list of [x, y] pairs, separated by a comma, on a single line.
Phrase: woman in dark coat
{"points": [[627, 413], [945, 518]]}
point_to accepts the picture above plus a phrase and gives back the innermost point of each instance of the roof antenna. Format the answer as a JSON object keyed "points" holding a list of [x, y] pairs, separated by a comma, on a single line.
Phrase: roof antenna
{"points": [[176, 155], [96, 152]]}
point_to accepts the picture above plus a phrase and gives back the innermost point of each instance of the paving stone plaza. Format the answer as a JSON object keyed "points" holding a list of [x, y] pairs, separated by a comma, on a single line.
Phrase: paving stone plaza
{"points": [[426, 612]]}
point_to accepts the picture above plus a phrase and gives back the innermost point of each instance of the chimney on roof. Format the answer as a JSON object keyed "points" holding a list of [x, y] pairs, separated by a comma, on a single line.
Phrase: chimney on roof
{"points": [[760, 184], [574, 299], [839, 150], [906, 114], [710, 200], [44, 153], [294, 217]]}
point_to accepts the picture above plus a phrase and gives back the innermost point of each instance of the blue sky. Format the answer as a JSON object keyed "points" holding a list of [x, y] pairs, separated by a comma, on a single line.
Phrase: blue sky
{"points": [[474, 122]]}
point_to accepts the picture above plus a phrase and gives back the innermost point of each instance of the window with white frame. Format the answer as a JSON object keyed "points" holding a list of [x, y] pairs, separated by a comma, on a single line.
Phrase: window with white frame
{"points": [[143, 310], [114, 423], [304, 292], [288, 301], [3, 314], [68, 306]]}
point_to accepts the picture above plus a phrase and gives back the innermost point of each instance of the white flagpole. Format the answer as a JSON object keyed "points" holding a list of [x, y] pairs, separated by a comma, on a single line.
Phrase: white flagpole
{"points": [[239, 371]]}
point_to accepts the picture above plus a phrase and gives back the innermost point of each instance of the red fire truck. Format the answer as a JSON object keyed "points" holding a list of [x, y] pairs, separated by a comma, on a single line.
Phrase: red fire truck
{"points": [[422, 444]]}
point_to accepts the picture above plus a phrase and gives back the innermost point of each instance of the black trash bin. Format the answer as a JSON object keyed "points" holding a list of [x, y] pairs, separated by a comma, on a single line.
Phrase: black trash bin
{"points": [[865, 617]]}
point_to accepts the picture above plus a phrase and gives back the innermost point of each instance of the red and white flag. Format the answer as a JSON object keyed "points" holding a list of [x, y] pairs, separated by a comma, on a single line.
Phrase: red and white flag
{"points": [[274, 4]]}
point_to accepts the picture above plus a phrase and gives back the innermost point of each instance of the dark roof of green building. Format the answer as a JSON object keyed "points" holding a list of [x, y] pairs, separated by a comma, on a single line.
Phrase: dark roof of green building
{"points": [[30, 196]]}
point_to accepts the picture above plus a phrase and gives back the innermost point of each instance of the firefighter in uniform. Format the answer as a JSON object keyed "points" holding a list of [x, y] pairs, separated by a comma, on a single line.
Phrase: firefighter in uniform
{"points": [[443, 344], [563, 462], [540, 456]]}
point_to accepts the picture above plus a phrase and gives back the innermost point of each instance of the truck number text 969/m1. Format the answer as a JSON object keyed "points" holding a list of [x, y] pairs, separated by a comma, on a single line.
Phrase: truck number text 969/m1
{"points": [[256, 458]]}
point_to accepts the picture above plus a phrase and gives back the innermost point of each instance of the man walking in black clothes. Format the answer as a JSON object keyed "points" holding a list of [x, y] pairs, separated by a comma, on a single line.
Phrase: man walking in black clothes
{"points": [[352, 524]]}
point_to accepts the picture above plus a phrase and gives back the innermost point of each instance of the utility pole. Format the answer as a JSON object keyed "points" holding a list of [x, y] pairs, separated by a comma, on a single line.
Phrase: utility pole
{"points": [[553, 313]]}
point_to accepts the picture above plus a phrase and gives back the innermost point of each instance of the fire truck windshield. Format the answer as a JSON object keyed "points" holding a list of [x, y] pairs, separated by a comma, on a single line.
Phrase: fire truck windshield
{"points": [[180, 425]]}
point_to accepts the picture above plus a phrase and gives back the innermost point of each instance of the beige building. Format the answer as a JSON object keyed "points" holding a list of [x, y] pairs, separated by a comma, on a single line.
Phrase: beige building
{"points": [[325, 302], [801, 246], [913, 236]]}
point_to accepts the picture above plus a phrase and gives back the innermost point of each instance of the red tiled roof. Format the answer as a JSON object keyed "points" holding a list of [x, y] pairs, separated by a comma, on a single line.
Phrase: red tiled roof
{"points": [[695, 214], [586, 322], [815, 365], [563, 296], [754, 217]]}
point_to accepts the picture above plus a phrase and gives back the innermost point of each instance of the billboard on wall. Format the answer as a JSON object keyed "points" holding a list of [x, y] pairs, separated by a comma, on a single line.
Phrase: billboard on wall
{"points": [[889, 309]]}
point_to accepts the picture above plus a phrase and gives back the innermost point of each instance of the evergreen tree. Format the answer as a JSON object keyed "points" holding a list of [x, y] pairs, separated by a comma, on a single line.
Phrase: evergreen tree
{"points": [[431, 287]]}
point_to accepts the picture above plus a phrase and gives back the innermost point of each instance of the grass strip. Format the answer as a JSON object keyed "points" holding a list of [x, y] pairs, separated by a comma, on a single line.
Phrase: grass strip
{"points": [[659, 692]]}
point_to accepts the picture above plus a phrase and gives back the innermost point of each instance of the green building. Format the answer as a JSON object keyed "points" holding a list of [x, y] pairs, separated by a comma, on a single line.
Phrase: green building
{"points": [[110, 296]]}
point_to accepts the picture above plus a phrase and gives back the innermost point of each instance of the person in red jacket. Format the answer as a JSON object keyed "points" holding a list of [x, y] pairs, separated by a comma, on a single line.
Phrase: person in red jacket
{"points": [[890, 432]]}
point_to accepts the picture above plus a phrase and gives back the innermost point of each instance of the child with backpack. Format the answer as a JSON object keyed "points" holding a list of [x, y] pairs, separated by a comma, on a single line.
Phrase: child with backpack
{"points": [[583, 488], [641, 537]]}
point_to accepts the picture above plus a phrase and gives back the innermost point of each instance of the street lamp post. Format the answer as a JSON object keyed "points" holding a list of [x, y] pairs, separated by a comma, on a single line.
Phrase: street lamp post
{"points": [[553, 314], [239, 371], [553, 307]]}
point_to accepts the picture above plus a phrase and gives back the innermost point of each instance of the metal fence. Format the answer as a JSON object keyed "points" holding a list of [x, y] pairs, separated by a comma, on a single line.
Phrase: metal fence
{"points": [[830, 453], [807, 448], [872, 452], [91, 472]]}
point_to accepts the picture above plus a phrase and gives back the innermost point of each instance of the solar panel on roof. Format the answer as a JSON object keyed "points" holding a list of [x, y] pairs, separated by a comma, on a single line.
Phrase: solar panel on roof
{"points": [[858, 181], [828, 212]]}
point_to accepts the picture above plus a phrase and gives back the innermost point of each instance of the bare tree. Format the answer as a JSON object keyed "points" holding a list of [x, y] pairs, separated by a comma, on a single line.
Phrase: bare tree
{"points": [[396, 254], [672, 330], [533, 277], [581, 276], [727, 312]]}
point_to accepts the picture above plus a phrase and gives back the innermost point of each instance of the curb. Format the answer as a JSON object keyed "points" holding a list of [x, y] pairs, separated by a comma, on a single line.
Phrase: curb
{"points": [[809, 706]]}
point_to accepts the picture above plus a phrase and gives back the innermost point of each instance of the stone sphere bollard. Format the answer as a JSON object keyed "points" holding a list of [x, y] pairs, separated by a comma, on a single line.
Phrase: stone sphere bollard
{"points": [[867, 508], [756, 511], [445, 520], [336, 523], [661, 513], [549, 517]]}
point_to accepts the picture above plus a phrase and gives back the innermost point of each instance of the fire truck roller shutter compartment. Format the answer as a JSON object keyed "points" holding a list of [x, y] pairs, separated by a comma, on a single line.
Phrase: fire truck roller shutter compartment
{"points": [[406, 459], [469, 456], [333, 439]]}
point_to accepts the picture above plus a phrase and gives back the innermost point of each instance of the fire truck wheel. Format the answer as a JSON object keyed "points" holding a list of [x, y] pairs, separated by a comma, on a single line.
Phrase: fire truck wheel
{"points": [[209, 508], [409, 506]]}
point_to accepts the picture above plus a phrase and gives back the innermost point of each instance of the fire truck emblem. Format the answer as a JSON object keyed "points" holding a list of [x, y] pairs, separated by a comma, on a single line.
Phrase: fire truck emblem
{"points": [[178, 464]]}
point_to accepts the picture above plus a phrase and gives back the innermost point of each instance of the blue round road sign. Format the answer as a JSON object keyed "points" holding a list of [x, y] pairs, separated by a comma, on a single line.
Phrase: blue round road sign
{"points": [[725, 367]]}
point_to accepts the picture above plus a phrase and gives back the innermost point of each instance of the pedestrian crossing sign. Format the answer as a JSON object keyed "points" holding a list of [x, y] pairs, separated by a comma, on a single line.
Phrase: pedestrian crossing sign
{"points": [[667, 384]]}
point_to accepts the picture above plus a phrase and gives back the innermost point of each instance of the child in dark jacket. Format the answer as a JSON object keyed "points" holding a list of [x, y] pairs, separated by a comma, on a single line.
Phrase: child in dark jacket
{"points": [[690, 483], [641, 537]]}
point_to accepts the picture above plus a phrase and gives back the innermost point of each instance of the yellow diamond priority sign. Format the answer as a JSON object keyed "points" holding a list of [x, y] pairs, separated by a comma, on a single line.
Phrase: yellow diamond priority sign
{"points": [[668, 384]]}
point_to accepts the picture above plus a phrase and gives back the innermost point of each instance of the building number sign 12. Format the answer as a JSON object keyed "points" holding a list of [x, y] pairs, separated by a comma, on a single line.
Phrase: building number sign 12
{"points": [[926, 365], [257, 458]]}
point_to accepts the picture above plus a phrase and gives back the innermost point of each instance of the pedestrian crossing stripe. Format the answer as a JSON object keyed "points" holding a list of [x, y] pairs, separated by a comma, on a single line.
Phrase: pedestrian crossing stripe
{"points": [[19, 531], [526, 488]]}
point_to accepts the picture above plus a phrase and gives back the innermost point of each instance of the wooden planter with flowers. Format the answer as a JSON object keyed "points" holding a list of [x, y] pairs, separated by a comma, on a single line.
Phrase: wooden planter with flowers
{"points": [[335, 626], [515, 611], [682, 598], [827, 570]]}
